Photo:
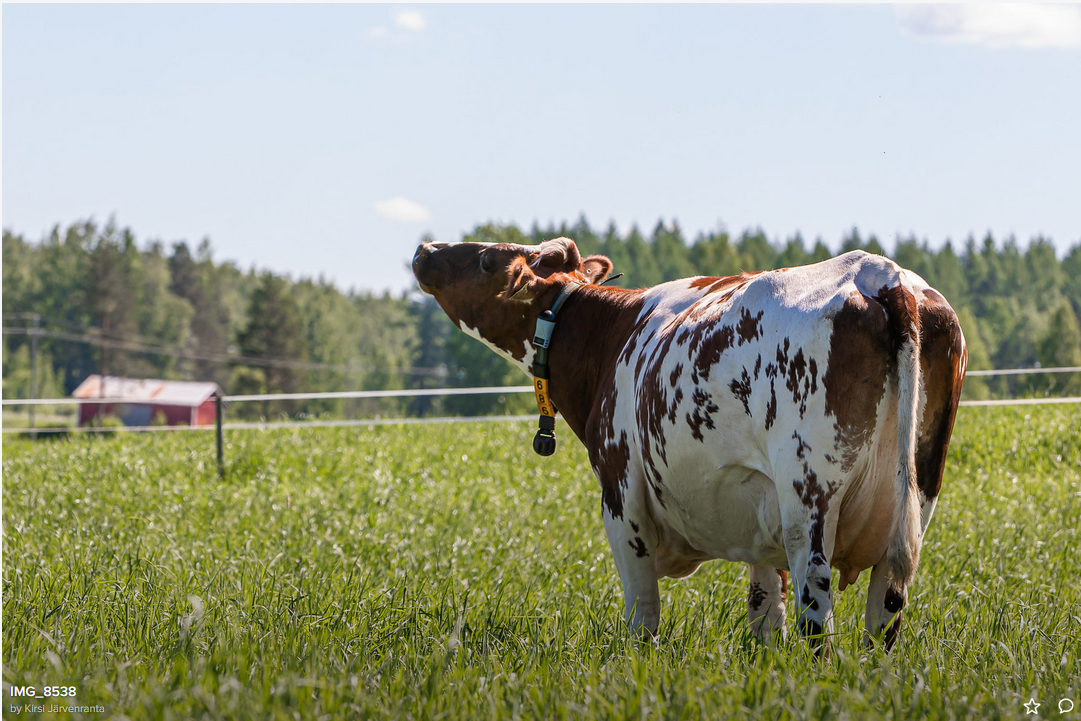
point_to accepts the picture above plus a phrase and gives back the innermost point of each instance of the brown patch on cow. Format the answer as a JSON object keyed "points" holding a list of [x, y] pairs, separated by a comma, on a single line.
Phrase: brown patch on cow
{"points": [[749, 326], [709, 352], [902, 313], [801, 447], [721, 284], [652, 407], [631, 343], [756, 596], [741, 389], [771, 406], [658, 493], [860, 357], [673, 379], [797, 376], [784, 581], [794, 371], [639, 547], [808, 601], [942, 363], [674, 404], [610, 458], [704, 408]]}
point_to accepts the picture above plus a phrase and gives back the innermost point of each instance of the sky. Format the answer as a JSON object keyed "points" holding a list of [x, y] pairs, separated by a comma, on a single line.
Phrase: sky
{"points": [[326, 140]]}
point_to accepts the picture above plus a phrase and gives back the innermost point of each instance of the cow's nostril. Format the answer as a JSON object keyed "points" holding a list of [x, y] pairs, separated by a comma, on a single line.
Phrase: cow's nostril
{"points": [[418, 257]]}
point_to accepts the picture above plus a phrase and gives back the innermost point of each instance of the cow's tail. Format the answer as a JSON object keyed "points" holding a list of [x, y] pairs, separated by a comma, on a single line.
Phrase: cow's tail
{"points": [[903, 555]]}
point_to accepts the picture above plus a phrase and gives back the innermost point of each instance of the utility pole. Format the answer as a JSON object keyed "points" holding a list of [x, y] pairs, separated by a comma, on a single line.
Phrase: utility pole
{"points": [[34, 368]]}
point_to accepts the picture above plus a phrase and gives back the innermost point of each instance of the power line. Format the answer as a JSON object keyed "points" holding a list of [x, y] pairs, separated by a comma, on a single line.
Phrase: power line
{"points": [[161, 349]]}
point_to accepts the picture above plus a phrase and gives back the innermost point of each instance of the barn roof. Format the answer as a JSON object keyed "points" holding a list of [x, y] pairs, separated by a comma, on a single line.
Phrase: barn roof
{"points": [[146, 390]]}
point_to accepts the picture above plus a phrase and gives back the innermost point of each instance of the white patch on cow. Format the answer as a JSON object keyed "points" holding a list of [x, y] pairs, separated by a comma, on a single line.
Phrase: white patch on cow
{"points": [[525, 363]]}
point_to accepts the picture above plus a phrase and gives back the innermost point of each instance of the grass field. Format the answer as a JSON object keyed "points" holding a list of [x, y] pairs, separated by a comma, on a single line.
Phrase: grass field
{"points": [[445, 571]]}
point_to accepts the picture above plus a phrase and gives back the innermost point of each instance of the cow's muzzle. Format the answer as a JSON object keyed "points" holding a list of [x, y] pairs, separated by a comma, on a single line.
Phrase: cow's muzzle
{"points": [[422, 266]]}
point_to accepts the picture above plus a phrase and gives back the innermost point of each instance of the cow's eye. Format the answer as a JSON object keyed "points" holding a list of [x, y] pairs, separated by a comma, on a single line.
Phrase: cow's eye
{"points": [[485, 263]]}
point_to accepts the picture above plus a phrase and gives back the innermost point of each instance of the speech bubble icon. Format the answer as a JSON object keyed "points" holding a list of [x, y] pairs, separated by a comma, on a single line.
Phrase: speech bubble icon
{"points": [[1065, 705]]}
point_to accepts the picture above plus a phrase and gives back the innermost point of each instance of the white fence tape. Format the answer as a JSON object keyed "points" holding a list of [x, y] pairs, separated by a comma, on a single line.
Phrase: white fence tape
{"points": [[274, 426], [1021, 401], [410, 393], [382, 394], [1024, 371]]}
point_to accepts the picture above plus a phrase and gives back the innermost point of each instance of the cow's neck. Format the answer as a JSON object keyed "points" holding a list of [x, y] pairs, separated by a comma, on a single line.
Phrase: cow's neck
{"points": [[592, 328]]}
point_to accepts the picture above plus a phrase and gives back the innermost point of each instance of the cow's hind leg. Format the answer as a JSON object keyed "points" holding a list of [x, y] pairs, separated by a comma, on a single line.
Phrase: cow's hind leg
{"points": [[808, 559], [885, 601], [765, 602]]}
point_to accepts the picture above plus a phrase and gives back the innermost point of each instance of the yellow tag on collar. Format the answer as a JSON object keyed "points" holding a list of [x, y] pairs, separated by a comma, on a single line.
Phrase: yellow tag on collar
{"points": [[544, 401]]}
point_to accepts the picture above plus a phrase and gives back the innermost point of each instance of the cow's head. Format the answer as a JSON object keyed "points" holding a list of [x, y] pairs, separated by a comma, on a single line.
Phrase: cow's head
{"points": [[495, 291]]}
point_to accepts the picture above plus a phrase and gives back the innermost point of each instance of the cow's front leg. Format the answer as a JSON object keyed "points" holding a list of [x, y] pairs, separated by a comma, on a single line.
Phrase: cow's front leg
{"points": [[765, 602], [634, 546]]}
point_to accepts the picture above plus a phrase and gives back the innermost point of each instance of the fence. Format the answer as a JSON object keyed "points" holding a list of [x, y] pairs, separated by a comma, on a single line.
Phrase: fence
{"points": [[220, 400]]}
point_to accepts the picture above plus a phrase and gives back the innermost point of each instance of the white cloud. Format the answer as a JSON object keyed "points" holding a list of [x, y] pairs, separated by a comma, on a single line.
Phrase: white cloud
{"points": [[402, 210], [995, 25], [410, 20]]}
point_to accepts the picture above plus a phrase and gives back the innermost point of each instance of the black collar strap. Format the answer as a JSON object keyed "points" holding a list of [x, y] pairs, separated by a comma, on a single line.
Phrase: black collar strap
{"points": [[544, 443]]}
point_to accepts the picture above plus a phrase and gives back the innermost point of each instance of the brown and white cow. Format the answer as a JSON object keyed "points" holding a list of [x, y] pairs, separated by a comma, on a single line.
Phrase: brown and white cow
{"points": [[793, 420]]}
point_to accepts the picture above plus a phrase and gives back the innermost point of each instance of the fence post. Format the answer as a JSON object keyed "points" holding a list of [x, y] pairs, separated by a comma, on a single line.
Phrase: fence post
{"points": [[221, 449], [34, 370]]}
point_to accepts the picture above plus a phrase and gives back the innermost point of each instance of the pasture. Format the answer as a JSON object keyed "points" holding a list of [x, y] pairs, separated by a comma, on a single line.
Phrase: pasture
{"points": [[445, 571]]}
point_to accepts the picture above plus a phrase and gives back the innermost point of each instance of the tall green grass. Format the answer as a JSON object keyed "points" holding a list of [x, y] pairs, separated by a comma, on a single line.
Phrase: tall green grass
{"points": [[447, 572]]}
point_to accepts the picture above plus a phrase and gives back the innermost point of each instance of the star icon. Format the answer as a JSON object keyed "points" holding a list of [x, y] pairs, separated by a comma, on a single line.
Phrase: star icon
{"points": [[1031, 706]]}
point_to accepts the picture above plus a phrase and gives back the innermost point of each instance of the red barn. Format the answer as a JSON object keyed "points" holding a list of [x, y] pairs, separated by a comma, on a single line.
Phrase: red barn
{"points": [[136, 401]]}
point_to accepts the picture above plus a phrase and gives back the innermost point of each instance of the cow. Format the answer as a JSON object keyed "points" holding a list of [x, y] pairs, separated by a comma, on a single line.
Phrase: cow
{"points": [[795, 420]]}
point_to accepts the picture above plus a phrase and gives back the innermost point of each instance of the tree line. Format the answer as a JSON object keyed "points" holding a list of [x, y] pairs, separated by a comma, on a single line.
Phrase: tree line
{"points": [[109, 306]]}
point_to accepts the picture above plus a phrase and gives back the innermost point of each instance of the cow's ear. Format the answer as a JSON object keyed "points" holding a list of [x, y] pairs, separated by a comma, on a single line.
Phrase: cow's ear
{"points": [[523, 285], [596, 268], [559, 255], [530, 288]]}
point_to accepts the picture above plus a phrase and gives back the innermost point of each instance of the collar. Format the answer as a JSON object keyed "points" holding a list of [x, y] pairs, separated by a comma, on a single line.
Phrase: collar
{"points": [[546, 321], [564, 294], [544, 443]]}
